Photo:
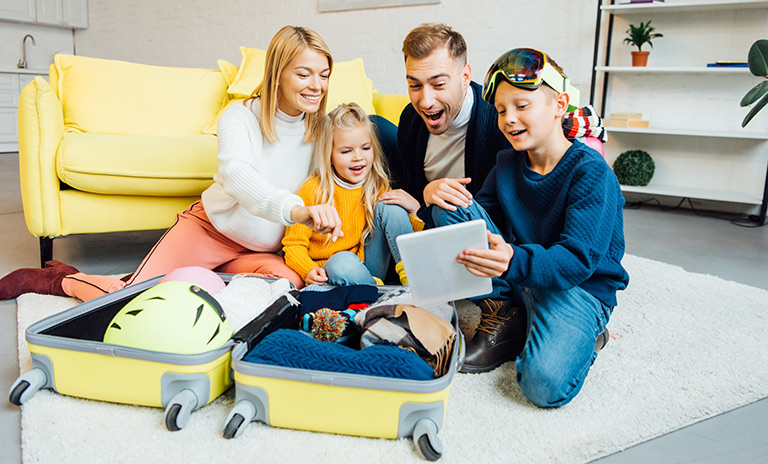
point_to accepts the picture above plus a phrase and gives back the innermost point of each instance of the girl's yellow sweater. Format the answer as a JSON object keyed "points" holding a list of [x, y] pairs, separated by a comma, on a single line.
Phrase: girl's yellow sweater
{"points": [[304, 248]]}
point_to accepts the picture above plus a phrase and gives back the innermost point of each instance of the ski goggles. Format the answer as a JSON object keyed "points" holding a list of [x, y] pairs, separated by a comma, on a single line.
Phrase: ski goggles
{"points": [[528, 69]]}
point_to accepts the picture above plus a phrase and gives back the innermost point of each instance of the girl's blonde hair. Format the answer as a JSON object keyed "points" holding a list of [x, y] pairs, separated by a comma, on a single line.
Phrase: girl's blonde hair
{"points": [[284, 47], [349, 116]]}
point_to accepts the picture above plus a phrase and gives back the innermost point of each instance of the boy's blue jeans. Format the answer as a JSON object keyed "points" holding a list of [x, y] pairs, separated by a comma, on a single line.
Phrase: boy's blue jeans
{"points": [[389, 222], [563, 326]]}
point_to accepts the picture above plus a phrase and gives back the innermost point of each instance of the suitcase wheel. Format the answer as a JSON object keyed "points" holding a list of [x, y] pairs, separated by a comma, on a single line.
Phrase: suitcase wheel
{"points": [[425, 437], [26, 386], [178, 409], [240, 416], [233, 426]]}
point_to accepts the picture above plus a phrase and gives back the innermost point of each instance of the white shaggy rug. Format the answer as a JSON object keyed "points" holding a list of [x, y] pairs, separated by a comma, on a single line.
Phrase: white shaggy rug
{"points": [[692, 346]]}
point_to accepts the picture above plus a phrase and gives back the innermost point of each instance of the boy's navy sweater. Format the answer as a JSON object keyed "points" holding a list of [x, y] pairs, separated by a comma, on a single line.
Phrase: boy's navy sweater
{"points": [[566, 227]]}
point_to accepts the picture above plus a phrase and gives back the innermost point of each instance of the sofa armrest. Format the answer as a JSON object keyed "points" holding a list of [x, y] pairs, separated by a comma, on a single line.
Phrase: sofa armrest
{"points": [[389, 106], [41, 128]]}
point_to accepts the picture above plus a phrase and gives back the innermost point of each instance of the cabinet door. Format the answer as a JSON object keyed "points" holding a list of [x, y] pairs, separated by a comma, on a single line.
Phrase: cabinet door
{"points": [[8, 129], [9, 90], [9, 102], [17, 10], [49, 12], [75, 13]]}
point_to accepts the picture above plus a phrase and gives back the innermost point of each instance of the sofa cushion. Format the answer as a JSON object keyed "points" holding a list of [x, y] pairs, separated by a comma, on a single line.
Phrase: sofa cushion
{"points": [[121, 98], [132, 165], [348, 83], [390, 106], [250, 74], [228, 71]]}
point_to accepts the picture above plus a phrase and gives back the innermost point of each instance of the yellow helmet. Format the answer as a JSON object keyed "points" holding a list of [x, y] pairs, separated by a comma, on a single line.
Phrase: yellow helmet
{"points": [[174, 317]]}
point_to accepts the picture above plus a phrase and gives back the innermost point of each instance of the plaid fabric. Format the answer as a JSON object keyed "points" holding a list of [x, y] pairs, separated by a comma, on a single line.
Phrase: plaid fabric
{"points": [[584, 122], [411, 328]]}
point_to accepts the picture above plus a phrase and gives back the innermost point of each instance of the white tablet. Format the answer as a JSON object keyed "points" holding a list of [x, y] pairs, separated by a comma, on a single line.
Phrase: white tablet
{"points": [[429, 259]]}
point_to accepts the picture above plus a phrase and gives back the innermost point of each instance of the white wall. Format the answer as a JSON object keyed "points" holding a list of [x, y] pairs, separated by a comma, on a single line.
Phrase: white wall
{"points": [[193, 33]]}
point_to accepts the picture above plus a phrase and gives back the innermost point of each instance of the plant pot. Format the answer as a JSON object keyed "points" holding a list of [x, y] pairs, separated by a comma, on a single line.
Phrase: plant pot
{"points": [[639, 58]]}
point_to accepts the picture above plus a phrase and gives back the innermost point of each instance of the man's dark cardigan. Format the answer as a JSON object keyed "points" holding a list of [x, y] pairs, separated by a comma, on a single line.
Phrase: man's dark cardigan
{"points": [[484, 140]]}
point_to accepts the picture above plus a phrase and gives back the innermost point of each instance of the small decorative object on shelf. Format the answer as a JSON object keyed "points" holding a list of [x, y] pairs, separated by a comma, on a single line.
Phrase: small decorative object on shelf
{"points": [[625, 120], [634, 168], [637, 36], [728, 64], [758, 65]]}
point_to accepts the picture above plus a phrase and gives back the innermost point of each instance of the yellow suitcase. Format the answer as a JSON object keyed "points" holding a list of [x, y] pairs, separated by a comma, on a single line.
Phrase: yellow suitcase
{"points": [[69, 357], [318, 401]]}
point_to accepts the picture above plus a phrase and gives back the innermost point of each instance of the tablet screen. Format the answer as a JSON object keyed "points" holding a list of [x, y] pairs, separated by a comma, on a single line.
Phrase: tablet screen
{"points": [[429, 259]]}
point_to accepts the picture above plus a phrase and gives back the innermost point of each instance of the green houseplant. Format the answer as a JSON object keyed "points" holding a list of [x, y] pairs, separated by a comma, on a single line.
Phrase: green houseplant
{"points": [[637, 36], [634, 168], [758, 65]]}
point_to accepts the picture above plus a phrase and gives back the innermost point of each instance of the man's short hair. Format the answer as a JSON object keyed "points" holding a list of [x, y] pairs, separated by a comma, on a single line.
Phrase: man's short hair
{"points": [[428, 38]]}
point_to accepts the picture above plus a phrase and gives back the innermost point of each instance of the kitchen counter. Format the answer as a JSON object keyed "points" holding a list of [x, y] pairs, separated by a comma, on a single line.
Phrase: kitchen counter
{"points": [[43, 72]]}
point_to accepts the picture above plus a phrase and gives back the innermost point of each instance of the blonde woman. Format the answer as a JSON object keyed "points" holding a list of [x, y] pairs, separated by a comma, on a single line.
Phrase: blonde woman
{"points": [[264, 155], [350, 173]]}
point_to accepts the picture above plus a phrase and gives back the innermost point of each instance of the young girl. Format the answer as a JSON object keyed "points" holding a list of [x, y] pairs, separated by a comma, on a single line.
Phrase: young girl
{"points": [[350, 173]]}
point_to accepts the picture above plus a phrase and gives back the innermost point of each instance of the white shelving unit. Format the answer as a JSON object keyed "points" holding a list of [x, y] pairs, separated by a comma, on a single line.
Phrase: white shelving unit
{"points": [[656, 70], [685, 6], [695, 134]]}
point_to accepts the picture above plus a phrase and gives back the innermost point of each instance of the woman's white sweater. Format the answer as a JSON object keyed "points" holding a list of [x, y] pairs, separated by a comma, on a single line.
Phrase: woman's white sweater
{"points": [[253, 193]]}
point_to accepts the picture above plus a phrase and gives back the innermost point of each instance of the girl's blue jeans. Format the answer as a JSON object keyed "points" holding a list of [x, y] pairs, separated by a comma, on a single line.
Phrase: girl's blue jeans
{"points": [[563, 326], [389, 222]]}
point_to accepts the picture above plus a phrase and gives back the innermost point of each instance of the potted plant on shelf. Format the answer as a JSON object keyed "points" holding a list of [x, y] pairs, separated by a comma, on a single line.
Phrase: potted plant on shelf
{"points": [[758, 65], [637, 36]]}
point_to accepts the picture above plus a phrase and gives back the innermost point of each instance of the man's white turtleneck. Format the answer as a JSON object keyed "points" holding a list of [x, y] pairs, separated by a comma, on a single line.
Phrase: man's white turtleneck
{"points": [[445, 152]]}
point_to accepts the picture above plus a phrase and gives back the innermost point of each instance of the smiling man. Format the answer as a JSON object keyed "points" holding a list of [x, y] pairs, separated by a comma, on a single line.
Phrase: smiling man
{"points": [[447, 136]]}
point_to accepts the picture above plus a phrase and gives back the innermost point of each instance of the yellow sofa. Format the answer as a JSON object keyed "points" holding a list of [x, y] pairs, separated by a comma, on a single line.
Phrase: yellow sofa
{"points": [[108, 146]]}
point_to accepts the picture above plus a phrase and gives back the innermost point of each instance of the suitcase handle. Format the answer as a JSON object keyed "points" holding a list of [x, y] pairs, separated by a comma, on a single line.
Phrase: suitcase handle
{"points": [[282, 313]]}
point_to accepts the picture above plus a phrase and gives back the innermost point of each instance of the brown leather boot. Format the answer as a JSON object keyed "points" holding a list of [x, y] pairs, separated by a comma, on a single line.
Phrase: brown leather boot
{"points": [[45, 281], [500, 337]]}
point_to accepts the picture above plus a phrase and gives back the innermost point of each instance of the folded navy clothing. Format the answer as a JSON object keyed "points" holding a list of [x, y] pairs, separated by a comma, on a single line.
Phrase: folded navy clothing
{"points": [[293, 348], [339, 298]]}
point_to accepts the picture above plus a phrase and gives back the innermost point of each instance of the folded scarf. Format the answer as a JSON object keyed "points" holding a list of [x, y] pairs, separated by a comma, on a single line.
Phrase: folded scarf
{"points": [[584, 122], [292, 348], [411, 328]]}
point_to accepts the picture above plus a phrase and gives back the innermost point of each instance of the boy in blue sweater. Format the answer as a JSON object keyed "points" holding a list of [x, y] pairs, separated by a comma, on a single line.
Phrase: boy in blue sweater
{"points": [[554, 214]]}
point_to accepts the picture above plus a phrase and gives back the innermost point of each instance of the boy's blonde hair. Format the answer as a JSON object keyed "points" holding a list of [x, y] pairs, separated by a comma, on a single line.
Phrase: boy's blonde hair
{"points": [[553, 93], [284, 47], [349, 116]]}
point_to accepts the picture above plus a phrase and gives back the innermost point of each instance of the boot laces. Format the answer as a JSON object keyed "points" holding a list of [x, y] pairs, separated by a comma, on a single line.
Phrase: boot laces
{"points": [[490, 322]]}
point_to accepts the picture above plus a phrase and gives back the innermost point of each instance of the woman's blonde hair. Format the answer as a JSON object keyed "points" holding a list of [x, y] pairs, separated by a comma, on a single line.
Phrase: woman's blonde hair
{"points": [[284, 47], [349, 116]]}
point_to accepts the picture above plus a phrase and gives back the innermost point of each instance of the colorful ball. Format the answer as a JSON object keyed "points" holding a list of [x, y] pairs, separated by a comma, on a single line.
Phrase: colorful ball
{"points": [[328, 325]]}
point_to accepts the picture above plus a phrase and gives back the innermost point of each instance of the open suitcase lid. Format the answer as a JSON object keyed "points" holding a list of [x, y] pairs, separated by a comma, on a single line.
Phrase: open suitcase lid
{"points": [[81, 328]]}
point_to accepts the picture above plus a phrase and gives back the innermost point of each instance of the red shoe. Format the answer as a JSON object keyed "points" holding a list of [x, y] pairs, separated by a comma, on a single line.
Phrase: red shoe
{"points": [[45, 281]]}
